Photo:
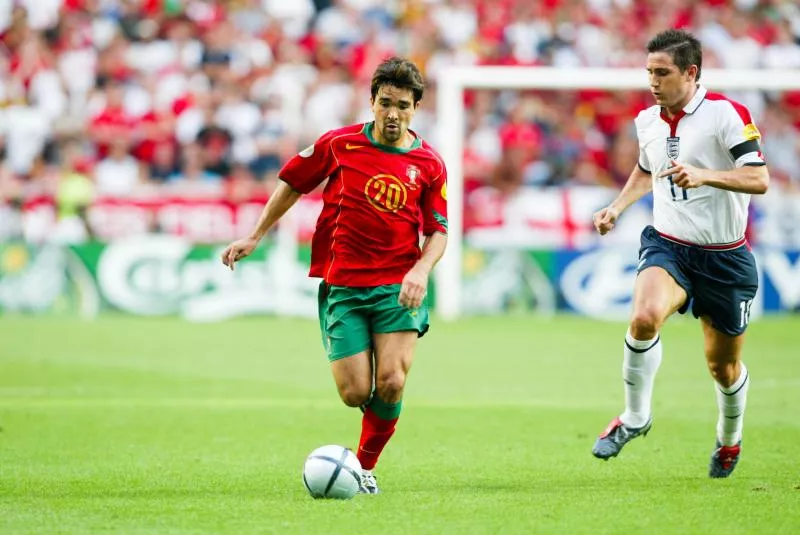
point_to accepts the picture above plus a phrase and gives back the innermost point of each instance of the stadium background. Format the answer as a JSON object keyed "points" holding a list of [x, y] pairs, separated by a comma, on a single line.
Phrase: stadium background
{"points": [[126, 119], [138, 136]]}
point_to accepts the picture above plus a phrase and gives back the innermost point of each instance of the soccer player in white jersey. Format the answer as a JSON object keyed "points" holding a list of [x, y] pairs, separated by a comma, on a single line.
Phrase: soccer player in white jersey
{"points": [[699, 153]]}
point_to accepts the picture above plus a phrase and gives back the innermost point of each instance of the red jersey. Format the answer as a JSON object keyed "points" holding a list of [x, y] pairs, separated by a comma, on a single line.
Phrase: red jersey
{"points": [[376, 199]]}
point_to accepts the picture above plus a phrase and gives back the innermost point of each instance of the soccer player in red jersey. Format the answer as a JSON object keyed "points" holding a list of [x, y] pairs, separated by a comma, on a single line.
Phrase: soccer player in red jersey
{"points": [[384, 183]]}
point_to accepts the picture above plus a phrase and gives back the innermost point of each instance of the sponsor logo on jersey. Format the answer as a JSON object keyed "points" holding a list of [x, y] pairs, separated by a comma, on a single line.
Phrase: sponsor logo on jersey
{"points": [[350, 146], [307, 152], [444, 191], [751, 132], [673, 147]]}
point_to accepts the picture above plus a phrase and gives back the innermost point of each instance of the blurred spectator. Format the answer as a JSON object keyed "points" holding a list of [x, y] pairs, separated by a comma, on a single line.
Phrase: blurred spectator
{"points": [[212, 96], [193, 179], [782, 144], [119, 174], [164, 165], [74, 195]]}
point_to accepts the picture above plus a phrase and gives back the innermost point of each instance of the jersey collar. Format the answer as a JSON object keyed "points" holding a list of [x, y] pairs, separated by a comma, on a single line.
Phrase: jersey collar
{"points": [[697, 99], [388, 148]]}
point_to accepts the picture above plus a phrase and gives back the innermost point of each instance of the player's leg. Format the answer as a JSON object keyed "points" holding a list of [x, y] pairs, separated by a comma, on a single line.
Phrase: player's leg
{"points": [[345, 335], [730, 282], [657, 295], [395, 331], [732, 383], [394, 353], [353, 378]]}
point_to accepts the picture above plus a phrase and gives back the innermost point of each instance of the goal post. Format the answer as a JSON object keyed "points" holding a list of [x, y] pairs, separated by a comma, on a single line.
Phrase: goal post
{"points": [[451, 84]]}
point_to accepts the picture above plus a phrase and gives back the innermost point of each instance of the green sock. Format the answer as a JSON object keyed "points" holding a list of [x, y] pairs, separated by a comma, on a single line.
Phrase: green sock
{"points": [[383, 410]]}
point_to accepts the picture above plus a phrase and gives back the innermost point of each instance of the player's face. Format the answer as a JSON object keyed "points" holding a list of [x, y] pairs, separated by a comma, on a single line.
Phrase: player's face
{"points": [[393, 109], [671, 88]]}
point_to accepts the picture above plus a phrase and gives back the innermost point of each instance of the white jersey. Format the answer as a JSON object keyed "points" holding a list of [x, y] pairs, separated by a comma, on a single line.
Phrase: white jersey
{"points": [[711, 132]]}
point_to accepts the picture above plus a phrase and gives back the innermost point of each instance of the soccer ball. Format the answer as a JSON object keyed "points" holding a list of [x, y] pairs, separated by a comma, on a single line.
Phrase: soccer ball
{"points": [[332, 472]]}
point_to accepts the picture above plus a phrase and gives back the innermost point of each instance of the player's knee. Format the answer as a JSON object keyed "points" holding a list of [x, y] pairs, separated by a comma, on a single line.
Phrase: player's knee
{"points": [[390, 385], [724, 373], [354, 395], [645, 323]]}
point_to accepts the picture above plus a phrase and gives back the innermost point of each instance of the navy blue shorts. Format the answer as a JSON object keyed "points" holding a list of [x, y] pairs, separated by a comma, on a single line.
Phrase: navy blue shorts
{"points": [[720, 284]]}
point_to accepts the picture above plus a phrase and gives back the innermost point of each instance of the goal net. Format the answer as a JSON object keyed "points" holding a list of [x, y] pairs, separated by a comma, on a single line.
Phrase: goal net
{"points": [[451, 113]]}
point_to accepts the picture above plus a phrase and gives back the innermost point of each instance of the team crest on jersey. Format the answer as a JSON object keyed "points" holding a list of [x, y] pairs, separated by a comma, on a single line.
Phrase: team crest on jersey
{"points": [[412, 173], [673, 147]]}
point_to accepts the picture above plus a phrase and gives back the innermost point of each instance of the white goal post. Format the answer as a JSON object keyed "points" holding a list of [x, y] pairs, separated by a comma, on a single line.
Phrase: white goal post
{"points": [[453, 81]]}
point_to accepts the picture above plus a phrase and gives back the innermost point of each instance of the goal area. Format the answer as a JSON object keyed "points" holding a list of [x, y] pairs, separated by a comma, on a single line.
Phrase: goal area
{"points": [[452, 83]]}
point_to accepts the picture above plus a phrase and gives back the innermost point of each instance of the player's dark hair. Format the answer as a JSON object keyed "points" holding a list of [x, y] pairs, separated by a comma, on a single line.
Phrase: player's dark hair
{"points": [[684, 48], [400, 73]]}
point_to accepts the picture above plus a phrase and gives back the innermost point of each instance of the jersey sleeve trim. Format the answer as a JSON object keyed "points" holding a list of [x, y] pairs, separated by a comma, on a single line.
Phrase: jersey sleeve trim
{"points": [[746, 147], [644, 170], [441, 220], [754, 164], [740, 109]]}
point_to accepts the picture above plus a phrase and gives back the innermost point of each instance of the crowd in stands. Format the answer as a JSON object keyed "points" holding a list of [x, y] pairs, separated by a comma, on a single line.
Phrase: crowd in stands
{"points": [[129, 98]]}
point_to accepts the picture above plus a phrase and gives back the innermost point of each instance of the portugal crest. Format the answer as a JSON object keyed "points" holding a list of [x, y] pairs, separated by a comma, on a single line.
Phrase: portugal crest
{"points": [[412, 173], [673, 147]]}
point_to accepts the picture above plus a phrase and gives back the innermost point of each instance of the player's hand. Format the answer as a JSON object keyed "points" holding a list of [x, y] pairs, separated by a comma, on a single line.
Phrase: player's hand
{"points": [[414, 288], [605, 220], [238, 250], [684, 175]]}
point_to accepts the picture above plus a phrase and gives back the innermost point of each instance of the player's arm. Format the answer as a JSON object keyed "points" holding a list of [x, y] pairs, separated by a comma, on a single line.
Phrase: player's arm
{"points": [[415, 283], [304, 172], [750, 178], [278, 204], [434, 227], [639, 184], [432, 251]]}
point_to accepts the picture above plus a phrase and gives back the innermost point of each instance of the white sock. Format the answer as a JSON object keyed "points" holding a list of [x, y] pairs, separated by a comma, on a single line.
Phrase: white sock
{"points": [[731, 402], [639, 367]]}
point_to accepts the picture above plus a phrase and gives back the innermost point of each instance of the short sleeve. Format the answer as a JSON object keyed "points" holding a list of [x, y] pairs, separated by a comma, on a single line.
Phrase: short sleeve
{"points": [[740, 135], [434, 203], [311, 166]]}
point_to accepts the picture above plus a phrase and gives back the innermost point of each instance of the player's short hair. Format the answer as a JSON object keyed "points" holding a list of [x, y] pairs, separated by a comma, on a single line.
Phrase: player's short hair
{"points": [[684, 48], [400, 73]]}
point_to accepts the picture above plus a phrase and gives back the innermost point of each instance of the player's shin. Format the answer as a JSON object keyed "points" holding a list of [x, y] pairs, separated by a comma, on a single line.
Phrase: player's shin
{"points": [[377, 427], [731, 402], [640, 364]]}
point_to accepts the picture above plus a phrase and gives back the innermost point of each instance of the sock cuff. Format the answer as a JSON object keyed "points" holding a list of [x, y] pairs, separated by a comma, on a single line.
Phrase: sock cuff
{"points": [[744, 378], [383, 410], [640, 346]]}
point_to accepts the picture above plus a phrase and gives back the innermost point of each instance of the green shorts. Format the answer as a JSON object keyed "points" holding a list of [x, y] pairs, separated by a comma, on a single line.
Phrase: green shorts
{"points": [[348, 317]]}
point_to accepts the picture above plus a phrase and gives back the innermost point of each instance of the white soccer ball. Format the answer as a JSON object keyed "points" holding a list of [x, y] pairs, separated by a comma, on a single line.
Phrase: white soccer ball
{"points": [[332, 472]]}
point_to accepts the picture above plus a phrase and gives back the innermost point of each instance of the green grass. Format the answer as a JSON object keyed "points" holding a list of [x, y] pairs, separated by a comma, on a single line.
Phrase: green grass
{"points": [[131, 426]]}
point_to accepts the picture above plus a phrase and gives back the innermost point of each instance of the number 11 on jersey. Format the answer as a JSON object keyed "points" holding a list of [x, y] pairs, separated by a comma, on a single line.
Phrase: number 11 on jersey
{"points": [[681, 195]]}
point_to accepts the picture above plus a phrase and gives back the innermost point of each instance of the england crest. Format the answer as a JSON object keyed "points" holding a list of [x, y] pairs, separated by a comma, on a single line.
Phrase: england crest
{"points": [[673, 147]]}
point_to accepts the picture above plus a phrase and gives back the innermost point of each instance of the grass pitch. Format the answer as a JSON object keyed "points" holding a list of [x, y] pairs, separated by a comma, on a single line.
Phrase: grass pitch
{"points": [[131, 425]]}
